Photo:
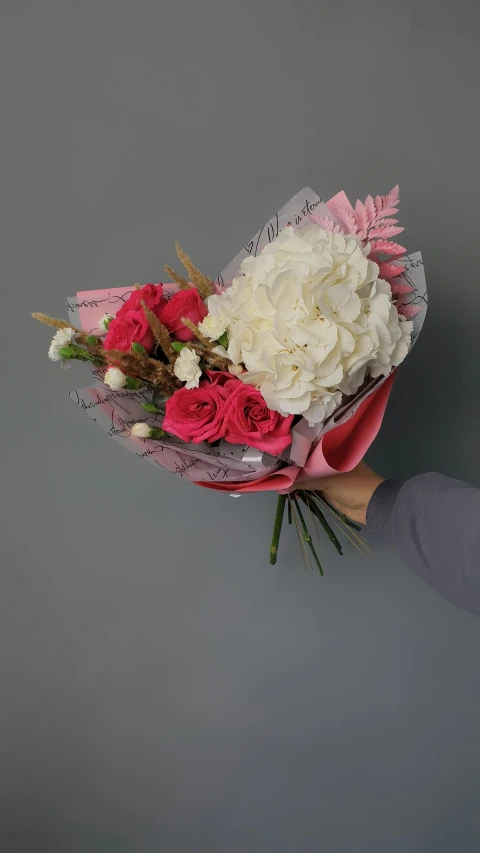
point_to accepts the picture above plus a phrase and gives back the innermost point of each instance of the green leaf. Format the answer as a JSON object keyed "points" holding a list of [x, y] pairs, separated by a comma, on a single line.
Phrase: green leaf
{"points": [[158, 396], [223, 340], [132, 384], [156, 432], [92, 340], [177, 346], [150, 407], [138, 349], [66, 352]]}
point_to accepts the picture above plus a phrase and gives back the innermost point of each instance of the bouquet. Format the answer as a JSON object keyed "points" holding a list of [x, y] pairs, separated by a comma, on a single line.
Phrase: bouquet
{"points": [[276, 372]]}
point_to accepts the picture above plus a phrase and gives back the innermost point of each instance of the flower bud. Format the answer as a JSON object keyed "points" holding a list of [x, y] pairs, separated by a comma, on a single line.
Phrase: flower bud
{"points": [[235, 369], [140, 430], [115, 378], [104, 322], [143, 430]]}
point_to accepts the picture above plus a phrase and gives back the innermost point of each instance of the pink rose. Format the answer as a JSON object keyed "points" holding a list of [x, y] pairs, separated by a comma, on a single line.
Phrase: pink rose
{"points": [[248, 420], [131, 327], [223, 378], [196, 414], [184, 303], [151, 294]]}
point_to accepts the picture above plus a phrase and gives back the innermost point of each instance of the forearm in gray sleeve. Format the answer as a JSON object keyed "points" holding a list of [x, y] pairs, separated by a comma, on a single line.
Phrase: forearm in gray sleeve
{"points": [[434, 523]]}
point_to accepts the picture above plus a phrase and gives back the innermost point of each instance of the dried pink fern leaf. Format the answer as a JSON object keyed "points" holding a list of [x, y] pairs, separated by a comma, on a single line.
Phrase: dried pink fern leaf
{"points": [[386, 247], [388, 270], [382, 202], [385, 231], [388, 221], [409, 311], [370, 209], [389, 211], [362, 218], [400, 289], [372, 223], [346, 218], [326, 223]]}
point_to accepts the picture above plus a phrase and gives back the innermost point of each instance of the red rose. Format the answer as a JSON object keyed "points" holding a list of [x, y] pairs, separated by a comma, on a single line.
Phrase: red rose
{"points": [[223, 378], [151, 294], [131, 327], [196, 414], [184, 303], [248, 420]]}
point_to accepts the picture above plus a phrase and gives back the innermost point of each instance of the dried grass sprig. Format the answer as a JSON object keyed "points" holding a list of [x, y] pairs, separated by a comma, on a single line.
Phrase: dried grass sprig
{"points": [[212, 360], [143, 367], [160, 333], [57, 324], [164, 379], [218, 362], [196, 331], [181, 281], [203, 284], [133, 364]]}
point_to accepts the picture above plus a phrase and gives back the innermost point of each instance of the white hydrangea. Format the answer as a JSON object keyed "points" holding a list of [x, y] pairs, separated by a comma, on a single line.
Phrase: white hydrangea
{"points": [[187, 368], [309, 318]]}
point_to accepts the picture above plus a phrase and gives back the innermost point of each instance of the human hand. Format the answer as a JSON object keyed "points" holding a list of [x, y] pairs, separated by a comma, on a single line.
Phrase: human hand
{"points": [[350, 493]]}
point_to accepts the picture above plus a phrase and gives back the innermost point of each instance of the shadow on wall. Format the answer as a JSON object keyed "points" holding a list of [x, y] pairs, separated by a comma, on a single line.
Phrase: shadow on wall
{"points": [[421, 430]]}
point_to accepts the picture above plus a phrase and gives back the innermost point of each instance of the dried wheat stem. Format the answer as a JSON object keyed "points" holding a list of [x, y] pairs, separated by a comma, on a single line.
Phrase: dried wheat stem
{"points": [[217, 362], [181, 281], [144, 367], [160, 333], [56, 324], [196, 331], [164, 379], [205, 348], [201, 281], [131, 363]]}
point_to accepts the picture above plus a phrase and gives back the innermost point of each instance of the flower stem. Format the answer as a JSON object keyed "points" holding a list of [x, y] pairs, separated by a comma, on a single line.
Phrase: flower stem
{"points": [[323, 521], [340, 515], [306, 534], [277, 528]]}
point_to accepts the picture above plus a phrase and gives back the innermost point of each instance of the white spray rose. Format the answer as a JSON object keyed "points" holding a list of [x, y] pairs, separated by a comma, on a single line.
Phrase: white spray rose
{"points": [[309, 318], [186, 368], [219, 314], [215, 323], [62, 338], [115, 378]]}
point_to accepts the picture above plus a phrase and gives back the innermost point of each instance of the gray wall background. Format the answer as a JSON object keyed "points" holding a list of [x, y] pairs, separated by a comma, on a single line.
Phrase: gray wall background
{"points": [[163, 688]]}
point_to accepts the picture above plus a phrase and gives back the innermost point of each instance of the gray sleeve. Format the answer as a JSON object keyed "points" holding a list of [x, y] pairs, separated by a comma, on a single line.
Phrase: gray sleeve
{"points": [[434, 523]]}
